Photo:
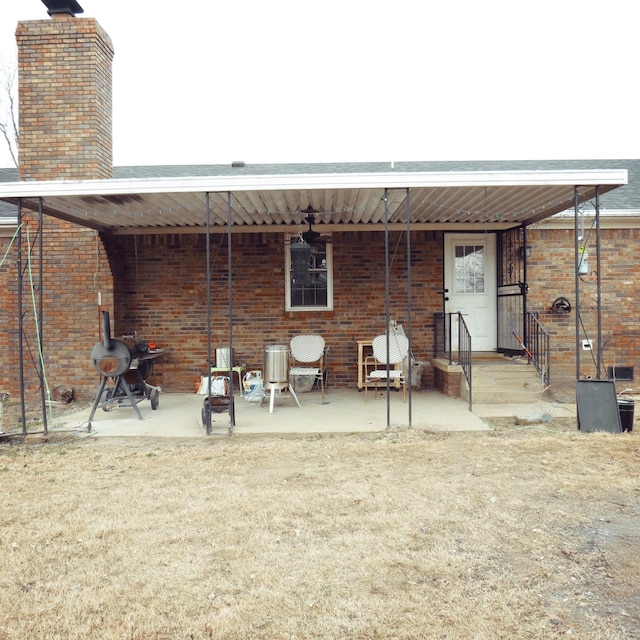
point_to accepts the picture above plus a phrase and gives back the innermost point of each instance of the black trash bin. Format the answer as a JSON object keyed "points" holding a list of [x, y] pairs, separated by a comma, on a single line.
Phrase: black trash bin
{"points": [[626, 408]]}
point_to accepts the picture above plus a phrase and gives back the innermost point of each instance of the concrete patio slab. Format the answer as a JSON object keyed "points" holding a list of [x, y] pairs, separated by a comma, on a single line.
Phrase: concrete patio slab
{"points": [[345, 410]]}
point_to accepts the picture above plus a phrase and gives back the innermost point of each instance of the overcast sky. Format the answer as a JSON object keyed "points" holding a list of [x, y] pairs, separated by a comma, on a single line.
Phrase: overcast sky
{"points": [[361, 80]]}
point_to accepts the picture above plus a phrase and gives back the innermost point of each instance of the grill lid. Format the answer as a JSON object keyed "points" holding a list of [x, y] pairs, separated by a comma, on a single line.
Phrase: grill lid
{"points": [[111, 362]]}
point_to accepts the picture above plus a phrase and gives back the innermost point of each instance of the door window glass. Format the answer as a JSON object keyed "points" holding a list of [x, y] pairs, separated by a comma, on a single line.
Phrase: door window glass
{"points": [[469, 268]]}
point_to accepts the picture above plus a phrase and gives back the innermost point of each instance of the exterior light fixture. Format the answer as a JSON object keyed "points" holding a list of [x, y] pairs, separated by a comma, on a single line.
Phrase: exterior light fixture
{"points": [[524, 251]]}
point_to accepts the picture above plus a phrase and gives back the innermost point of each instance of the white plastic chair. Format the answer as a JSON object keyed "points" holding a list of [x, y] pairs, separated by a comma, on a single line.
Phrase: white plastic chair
{"points": [[307, 350], [398, 352]]}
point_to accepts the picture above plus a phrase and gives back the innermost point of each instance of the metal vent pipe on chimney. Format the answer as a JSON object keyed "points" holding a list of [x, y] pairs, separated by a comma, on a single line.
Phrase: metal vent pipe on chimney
{"points": [[62, 6]]}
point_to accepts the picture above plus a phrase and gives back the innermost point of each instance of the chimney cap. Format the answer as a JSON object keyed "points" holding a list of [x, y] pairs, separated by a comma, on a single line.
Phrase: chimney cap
{"points": [[62, 6]]}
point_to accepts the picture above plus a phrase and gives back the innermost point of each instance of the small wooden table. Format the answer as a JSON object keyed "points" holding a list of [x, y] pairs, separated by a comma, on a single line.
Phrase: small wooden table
{"points": [[365, 350]]}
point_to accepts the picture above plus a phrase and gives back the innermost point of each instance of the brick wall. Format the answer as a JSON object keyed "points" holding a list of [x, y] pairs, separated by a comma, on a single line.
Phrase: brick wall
{"points": [[448, 381], [161, 294], [75, 271], [551, 275], [64, 67]]}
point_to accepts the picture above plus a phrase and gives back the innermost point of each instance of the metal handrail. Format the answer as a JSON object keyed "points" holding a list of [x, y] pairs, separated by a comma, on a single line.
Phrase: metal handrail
{"points": [[538, 347], [442, 347], [464, 354], [443, 344]]}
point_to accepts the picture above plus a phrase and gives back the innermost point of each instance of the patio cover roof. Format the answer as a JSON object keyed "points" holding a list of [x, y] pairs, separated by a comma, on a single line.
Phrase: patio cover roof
{"points": [[344, 201]]}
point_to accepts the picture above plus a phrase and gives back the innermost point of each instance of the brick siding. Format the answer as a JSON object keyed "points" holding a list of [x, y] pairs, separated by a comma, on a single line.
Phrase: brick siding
{"points": [[161, 295], [551, 275], [75, 271], [64, 67]]}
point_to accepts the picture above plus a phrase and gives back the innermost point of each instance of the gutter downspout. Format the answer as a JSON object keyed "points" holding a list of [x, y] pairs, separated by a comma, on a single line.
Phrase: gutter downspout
{"points": [[232, 410], [525, 287], [576, 197], [598, 284], [43, 375], [23, 409], [207, 413], [409, 308], [387, 298]]}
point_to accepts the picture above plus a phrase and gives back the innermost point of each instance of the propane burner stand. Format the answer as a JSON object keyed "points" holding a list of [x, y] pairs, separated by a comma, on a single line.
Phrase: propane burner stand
{"points": [[125, 362], [276, 374]]}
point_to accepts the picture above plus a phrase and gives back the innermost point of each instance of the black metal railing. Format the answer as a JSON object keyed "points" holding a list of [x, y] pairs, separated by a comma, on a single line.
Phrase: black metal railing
{"points": [[538, 347], [441, 340], [464, 354], [459, 353]]}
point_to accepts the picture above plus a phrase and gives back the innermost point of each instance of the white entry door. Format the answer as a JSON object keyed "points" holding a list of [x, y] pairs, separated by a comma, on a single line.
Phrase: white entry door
{"points": [[470, 277]]}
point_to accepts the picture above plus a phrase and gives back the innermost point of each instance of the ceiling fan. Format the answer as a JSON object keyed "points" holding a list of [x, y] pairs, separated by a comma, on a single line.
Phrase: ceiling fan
{"points": [[311, 236]]}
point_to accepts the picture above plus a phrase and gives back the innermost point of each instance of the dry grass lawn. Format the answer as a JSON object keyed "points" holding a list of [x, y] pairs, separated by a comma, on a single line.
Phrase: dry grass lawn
{"points": [[519, 533]]}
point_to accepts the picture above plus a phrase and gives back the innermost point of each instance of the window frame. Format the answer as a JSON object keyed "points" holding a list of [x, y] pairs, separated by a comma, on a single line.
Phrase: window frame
{"points": [[466, 270], [329, 271]]}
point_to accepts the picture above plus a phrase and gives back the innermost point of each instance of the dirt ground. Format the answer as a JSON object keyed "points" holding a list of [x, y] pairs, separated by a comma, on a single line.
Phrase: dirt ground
{"points": [[527, 531]]}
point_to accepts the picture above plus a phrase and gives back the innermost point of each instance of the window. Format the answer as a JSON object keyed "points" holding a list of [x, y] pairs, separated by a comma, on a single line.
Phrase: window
{"points": [[469, 268], [309, 275]]}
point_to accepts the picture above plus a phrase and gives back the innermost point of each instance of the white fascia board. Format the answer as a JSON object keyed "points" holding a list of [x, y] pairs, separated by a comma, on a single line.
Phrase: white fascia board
{"points": [[8, 227], [609, 219], [590, 213], [389, 180]]}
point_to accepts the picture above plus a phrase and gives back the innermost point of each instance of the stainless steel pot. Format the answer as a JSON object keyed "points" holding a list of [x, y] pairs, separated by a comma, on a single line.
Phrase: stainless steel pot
{"points": [[276, 363]]}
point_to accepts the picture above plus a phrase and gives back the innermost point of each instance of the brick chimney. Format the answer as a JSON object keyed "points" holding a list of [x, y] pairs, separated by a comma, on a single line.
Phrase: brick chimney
{"points": [[64, 67], [64, 73]]}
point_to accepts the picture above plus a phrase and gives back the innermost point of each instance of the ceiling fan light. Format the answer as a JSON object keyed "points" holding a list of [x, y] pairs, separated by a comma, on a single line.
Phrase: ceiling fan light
{"points": [[310, 235]]}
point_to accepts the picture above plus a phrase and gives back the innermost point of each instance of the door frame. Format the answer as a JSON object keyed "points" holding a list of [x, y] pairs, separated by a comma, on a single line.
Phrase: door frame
{"points": [[512, 289], [490, 241]]}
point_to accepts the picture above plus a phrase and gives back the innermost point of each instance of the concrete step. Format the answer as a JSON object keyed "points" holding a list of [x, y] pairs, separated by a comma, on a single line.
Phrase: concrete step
{"points": [[517, 378], [505, 396], [504, 382], [504, 369]]}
